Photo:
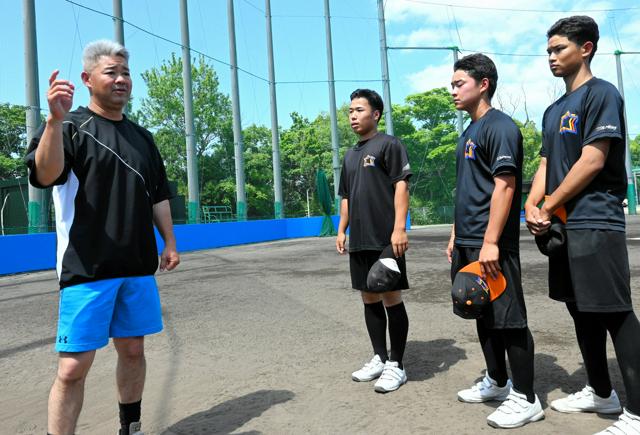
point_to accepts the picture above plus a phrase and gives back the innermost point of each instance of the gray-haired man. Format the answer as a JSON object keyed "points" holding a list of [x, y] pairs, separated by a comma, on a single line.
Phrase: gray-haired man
{"points": [[109, 188]]}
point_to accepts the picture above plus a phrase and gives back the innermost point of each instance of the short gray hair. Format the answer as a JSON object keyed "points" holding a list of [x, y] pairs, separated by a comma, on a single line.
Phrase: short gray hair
{"points": [[103, 47]]}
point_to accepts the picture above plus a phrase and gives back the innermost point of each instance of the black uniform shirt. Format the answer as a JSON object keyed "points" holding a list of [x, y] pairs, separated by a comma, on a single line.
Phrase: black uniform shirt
{"points": [[369, 172], [113, 175], [592, 112], [488, 147]]}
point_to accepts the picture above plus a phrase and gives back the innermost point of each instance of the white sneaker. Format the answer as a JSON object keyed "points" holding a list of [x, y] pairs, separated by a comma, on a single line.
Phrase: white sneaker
{"points": [[370, 371], [485, 390], [588, 401], [516, 411], [627, 424], [392, 378]]}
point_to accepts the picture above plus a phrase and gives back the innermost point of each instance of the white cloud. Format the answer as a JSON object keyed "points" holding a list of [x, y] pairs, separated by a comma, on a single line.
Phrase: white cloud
{"points": [[434, 36], [433, 76], [415, 23], [520, 87]]}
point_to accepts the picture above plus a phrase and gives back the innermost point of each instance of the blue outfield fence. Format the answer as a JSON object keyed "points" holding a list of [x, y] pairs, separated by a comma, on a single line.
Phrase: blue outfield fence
{"points": [[30, 252], [27, 252], [206, 236]]}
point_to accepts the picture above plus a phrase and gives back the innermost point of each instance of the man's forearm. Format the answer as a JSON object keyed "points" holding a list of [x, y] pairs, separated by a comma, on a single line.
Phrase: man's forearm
{"points": [[163, 221], [536, 194], [344, 215], [579, 177], [501, 199], [49, 157], [401, 205]]}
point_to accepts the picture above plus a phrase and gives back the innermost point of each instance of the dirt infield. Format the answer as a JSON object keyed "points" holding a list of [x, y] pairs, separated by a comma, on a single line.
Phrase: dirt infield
{"points": [[261, 339]]}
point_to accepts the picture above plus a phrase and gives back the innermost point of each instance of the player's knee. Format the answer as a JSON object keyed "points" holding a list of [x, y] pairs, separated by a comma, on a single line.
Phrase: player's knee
{"points": [[370, 298], [71, 371], [392, 298], [131, 350]]}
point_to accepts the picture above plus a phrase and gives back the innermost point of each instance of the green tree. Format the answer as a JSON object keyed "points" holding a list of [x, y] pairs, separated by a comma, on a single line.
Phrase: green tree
{"points": [[531, 143], [634, 146], [306, 147], [427, 125], [12, 141], [432, 108], [162, 111], [258, 168]]}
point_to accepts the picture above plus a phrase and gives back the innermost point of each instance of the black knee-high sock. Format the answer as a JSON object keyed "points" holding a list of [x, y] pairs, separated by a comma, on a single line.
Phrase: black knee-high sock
{"points": [[520, 350], [493, 350], [376, 320], [129, 413], [592, 339], [625, 329], [398, 331]]}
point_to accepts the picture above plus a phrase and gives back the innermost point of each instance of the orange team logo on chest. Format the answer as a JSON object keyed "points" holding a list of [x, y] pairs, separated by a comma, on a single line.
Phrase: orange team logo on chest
{"points": [[470, 150], [569, 123], [369, 160]]}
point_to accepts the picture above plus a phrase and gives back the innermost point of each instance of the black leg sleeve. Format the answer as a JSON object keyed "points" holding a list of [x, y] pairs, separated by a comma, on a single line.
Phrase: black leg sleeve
{"points": [[592, 339], [376, 320], [494, 353], [398, 331], [625, 330], [520, 350]]}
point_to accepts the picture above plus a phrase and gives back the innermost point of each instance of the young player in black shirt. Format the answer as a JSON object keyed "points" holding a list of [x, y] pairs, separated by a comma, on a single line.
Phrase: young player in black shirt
{"points": [[487, 229], [375, 201], [109, 189], [582, 169]]}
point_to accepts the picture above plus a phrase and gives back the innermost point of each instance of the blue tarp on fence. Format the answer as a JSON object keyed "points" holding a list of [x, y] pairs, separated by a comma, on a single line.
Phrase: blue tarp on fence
{"points": [[29, 252]]}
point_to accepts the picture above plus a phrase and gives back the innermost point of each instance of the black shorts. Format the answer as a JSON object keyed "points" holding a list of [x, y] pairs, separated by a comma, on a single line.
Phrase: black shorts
{"points": [[592, 272], [361, 261], [509, 310]]}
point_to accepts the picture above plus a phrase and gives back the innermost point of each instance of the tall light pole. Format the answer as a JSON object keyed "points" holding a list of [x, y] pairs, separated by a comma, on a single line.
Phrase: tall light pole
{"points": [[37, 211], [118, 22], [384, 63], [335, 142], [241, 200], [631, 186], [275, 134], [193, 209]]}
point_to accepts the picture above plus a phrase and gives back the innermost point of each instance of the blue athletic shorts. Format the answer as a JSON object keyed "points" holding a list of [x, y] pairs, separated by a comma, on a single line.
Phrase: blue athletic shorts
{"points": [[91, 312]]}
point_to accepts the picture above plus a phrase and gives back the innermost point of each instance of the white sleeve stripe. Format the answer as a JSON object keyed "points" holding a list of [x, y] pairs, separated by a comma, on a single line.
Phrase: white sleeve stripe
{"points": [[120, 158]]}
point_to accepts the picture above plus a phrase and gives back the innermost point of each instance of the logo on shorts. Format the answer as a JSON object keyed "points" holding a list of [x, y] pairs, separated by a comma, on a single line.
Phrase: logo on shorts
{"points": [[470, 150], [369, 160], [569, 123], [62, 339]]}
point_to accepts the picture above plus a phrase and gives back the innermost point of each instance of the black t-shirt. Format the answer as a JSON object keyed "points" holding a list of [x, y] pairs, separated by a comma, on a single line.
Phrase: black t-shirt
{"points": [[592, 112], [488, 147], [113, 175], [369, 172]]}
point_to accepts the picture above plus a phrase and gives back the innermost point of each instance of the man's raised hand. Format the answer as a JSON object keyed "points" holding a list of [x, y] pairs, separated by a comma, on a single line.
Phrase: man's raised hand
{"points": [[59, 96]]}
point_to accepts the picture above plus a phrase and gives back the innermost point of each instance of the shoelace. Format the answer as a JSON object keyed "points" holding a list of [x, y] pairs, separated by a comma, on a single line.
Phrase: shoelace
{"points": [[623, 426]]}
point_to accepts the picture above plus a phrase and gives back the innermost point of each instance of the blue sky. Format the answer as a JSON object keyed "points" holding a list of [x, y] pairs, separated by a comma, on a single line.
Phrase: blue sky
{"points": [[512, 28]]}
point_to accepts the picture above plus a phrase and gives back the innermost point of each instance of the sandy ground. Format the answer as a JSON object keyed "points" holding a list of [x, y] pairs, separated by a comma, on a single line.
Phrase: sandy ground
{"points": [[263, 338]]}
